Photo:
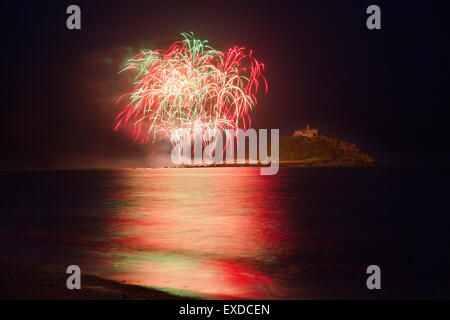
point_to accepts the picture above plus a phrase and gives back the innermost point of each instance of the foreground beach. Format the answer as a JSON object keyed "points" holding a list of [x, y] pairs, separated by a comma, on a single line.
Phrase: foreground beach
{"points": [[31, 282]]}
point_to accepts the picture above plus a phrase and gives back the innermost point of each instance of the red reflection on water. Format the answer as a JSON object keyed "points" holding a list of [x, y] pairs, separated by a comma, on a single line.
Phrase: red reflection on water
{"points": [[213, 232]]}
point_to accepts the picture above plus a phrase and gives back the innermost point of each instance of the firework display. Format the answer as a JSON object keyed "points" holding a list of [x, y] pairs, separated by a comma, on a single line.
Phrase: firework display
{"points": [[190, 86]]}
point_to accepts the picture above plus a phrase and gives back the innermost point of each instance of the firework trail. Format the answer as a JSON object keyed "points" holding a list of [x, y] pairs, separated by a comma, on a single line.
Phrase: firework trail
{"points": [[190, 86]]}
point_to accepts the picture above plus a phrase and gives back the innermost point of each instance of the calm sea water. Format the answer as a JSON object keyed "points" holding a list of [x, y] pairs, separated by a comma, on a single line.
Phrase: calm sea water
{"points": [[305, 233]]}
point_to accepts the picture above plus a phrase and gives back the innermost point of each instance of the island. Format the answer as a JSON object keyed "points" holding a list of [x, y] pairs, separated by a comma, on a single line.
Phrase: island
{"points": [[308, 148]]}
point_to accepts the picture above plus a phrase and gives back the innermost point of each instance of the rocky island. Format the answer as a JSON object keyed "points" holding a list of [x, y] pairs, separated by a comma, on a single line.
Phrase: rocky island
{"points": [[307, 147]]}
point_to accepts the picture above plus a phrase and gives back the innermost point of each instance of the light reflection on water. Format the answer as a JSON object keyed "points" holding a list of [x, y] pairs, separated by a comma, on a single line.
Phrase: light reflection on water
{"points": [[212, 232], [229, 232]]}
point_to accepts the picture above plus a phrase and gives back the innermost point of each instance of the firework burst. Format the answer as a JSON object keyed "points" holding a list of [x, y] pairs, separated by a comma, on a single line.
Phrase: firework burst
{"points": [[190, 86]]}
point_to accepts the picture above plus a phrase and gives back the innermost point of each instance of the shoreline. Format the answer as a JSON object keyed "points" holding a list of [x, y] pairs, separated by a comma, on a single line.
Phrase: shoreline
{"points": [[282, 164], [34, 282]]}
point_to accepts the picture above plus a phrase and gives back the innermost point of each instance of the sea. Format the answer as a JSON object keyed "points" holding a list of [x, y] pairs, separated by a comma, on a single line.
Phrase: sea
{"points": [[231, 233]]}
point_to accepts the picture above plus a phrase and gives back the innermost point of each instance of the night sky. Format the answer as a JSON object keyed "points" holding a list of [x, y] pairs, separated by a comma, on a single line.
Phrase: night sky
{"points": [[384, 90]]}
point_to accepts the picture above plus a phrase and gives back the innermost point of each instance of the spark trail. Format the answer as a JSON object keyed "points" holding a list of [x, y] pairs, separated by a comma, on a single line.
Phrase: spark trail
{"points": [[190, 86]]}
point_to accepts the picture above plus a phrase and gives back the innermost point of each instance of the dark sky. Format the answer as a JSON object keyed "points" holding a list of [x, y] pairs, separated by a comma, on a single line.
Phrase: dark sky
{"points": [[385, 90]]}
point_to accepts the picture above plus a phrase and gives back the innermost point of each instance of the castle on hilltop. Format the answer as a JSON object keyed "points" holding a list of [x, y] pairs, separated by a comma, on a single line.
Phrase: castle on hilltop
{"points": [[307, 132]]}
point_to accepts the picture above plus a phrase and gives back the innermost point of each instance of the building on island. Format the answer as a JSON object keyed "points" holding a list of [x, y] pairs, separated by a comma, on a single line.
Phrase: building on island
{"points": [[307, 132]]}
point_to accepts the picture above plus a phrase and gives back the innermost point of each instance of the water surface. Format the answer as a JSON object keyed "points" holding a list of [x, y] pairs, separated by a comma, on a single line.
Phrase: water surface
{"points": [[229, 232]]}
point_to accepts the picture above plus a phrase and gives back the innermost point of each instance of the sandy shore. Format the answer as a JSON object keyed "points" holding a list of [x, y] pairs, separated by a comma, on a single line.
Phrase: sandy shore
{"points": [[18, 282]]}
